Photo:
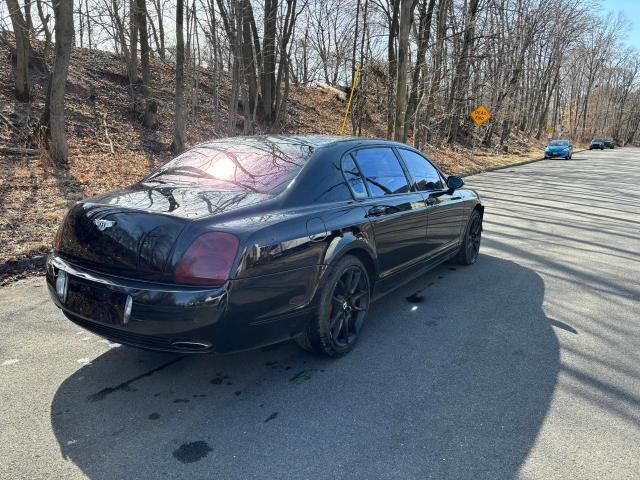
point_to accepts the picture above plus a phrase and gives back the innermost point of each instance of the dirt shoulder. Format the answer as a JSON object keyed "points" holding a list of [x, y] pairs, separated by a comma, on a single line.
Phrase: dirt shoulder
{"points": [[34, 194]]}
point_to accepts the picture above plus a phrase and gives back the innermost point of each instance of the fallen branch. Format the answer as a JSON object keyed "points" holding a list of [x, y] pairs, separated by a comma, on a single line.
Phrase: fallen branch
{"points": [[8, 122], [106, 132], [18, 150]]}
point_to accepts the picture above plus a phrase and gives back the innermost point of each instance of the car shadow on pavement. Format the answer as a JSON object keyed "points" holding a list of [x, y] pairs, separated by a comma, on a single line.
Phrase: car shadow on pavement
{"points": [[452, 378]]}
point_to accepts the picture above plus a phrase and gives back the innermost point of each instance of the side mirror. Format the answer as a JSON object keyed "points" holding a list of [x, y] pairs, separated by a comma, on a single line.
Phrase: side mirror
{"points": [[454, 182]]}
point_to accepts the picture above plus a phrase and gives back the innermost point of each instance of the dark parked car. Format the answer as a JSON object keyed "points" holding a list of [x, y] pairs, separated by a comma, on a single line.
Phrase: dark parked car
{"points": [[609, 143], [249, 241], [558, 148], [597, 143]]}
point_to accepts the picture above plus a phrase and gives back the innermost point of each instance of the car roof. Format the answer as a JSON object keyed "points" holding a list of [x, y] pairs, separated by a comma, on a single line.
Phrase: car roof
{"points": [[317, 141]]}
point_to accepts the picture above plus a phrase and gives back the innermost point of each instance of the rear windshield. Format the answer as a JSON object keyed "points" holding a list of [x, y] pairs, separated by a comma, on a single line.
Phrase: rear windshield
{"points": [[263, 165], [559, 142]]}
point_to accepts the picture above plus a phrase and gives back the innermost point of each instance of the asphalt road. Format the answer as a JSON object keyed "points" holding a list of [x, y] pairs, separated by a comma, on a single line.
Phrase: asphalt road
{"points": [[525, 365]]}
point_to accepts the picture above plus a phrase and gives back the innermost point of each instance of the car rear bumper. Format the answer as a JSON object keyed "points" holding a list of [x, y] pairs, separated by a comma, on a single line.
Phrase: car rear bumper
{"points": [[242, 314]]}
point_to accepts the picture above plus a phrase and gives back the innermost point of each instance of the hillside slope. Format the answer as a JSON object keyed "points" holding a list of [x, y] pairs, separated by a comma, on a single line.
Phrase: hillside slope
{"points": [[34, 194]]}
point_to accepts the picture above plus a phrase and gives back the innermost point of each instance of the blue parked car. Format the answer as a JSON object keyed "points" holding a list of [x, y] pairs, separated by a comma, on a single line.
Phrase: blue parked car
{"points": [[558, 148]]}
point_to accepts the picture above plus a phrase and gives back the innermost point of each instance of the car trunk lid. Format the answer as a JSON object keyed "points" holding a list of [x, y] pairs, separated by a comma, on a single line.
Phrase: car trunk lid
{"points": [[133, 232], [119, 241]]}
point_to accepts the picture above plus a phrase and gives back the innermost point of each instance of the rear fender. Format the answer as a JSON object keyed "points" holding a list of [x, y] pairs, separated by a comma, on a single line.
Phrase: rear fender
{"points": [[359, 245]]}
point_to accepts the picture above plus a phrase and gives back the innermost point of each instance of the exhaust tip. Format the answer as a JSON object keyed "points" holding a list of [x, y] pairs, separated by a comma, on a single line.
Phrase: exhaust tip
{"points": [[188, 346]]}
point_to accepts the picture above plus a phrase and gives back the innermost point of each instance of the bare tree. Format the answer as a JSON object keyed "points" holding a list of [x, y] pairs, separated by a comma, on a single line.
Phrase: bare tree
{"points": [[23, 51], [179, 133], [53, 118], [406, 16], [151, 107]]}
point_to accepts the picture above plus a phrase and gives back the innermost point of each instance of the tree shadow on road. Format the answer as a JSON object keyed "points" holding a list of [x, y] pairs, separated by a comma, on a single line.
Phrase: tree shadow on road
{"points": [[452, 378]]}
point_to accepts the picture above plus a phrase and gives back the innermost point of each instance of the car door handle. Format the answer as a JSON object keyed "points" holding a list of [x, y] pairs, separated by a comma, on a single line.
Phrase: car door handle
{"points": [[376, 211]]}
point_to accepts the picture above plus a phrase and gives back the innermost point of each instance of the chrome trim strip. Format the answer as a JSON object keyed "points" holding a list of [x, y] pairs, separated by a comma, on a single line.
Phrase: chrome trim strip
{"points": [[128, 284]]}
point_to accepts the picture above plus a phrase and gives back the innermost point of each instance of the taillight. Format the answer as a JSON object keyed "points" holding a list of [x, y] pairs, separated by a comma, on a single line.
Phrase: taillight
{"points": [[208, 260]]}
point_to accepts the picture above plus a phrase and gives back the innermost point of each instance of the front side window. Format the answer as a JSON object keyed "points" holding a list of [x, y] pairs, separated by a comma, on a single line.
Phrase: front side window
{"points": [[382, 171], [353, 177], [424, 174]]}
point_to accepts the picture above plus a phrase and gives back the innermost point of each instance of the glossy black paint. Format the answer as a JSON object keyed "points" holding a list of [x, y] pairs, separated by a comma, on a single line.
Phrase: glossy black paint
{"points": [[288, 241]]}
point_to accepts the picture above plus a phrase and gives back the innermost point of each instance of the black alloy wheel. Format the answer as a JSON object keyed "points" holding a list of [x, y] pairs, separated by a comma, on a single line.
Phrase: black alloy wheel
{"points": [[343, 305], [470, 248]]}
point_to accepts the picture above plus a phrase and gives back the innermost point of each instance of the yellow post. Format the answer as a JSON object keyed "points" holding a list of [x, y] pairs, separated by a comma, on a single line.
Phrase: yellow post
{"points": [[353, 88]]}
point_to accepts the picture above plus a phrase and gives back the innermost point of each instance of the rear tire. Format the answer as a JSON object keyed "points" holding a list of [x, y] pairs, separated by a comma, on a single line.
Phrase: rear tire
{"points": [[343, 304], [470, 247]]}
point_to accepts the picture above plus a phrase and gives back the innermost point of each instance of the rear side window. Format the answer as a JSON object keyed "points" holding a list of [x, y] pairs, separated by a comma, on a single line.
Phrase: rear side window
{"points": [[353, 177], [425, 175], [382, 171]]}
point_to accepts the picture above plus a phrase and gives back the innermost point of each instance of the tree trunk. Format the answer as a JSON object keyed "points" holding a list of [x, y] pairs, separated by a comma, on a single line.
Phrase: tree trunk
{"points": [[459, 82], [160, 13], [438, 60], [44, 21], [269, 59], [426, 14], [154, 32], [54, 108], [132, 66], [283, 67], [27, 18], [391, 75], [89, 31], [23, 50], [250, 48], [406, 15], [151, 106], [179, 134]]}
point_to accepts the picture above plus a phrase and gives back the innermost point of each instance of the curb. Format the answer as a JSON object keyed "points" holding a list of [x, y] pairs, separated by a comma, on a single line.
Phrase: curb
{"points": [[517, 164], [16, 269], [13, 266]]}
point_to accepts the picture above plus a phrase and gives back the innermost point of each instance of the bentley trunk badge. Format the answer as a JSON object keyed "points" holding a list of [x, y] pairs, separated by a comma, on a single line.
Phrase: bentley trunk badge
{"points": [[104, 224]]}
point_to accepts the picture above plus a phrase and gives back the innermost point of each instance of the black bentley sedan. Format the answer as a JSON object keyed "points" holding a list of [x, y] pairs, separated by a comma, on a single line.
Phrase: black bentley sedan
{"points": [[248, 241]]}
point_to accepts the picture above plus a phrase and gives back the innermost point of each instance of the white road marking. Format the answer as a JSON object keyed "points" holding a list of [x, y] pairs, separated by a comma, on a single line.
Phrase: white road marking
{"points": [[10, 362]]}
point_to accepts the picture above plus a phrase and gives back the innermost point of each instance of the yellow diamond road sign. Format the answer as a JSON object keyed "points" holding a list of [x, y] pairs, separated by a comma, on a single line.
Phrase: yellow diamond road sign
{"points": [[480, 115]]}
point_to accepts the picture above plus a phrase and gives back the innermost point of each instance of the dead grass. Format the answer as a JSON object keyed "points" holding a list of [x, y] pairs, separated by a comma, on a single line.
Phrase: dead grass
{"points": [[34, 195]]}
